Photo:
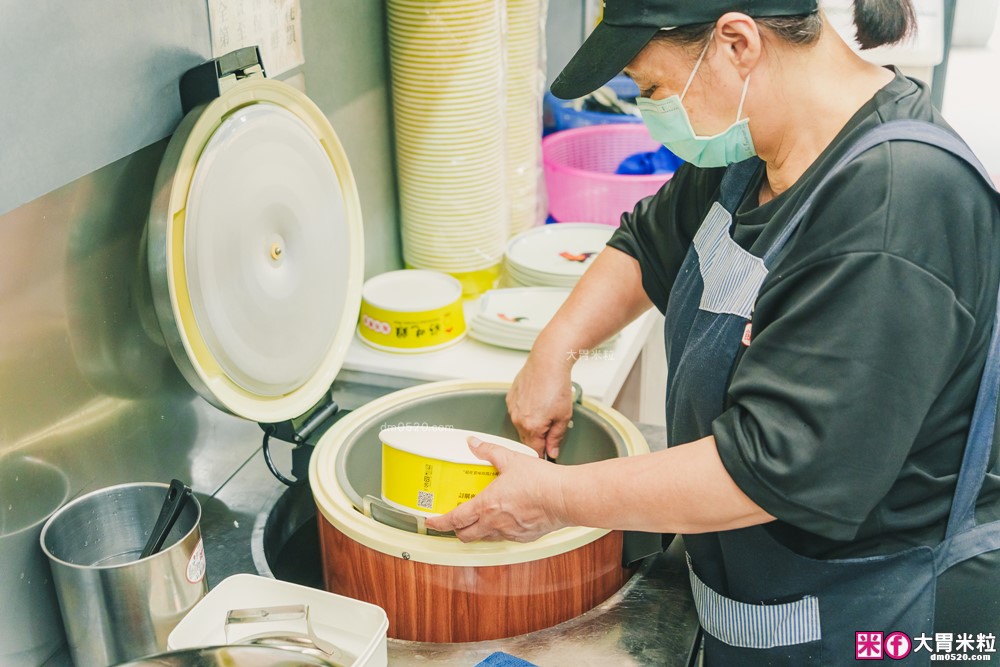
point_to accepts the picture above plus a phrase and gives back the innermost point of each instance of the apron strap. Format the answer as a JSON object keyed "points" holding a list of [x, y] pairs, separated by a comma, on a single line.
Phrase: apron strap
{"points": [[980, 443], [980, 440], [896, 130], [735, 182]]}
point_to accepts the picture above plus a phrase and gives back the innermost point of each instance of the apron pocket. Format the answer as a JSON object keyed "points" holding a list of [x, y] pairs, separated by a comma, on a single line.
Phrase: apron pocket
{"points": [[755, 626]]}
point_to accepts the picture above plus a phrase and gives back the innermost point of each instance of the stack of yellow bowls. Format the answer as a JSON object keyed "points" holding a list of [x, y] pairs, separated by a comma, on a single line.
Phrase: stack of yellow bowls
{"points": [[525, 83], [448, 96]]}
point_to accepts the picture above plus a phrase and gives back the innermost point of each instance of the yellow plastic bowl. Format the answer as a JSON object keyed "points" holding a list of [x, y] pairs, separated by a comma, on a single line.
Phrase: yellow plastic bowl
{"points": [[411, 311], [430, 470], [474, 283]]}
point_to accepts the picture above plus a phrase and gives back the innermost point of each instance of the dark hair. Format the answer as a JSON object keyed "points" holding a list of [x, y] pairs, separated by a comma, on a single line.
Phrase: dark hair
{"points": [[877, 23], [881, 22]]}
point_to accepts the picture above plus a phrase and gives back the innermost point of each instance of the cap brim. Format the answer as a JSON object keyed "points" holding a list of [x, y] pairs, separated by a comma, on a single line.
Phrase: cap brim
{"points": [[602, 57]]}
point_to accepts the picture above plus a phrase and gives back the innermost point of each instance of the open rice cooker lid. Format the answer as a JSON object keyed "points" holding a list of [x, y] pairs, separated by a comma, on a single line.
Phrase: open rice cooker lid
{"points": [[256, 254]]}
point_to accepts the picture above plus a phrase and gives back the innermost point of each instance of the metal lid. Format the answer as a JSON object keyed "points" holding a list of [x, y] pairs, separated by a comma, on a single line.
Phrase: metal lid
{"points": [[224, 656], [256, 253]]}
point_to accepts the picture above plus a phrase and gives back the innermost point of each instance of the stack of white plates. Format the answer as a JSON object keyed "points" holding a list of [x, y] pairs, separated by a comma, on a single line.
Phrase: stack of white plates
{"points": [[448, 89], [525, 88], [513, 318], [554, 255]]}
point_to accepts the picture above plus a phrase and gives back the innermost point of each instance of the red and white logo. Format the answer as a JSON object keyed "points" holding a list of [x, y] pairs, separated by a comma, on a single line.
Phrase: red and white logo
{"points": [[898, 645], [746, 334], [868, 645], [376, 325]]}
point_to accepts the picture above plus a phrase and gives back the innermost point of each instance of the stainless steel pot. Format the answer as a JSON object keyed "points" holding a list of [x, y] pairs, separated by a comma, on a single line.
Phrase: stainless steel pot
{"points": [[116, 606], [227, 656]]}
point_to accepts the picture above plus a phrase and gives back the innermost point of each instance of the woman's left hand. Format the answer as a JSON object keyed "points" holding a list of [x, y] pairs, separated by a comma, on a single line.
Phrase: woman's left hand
{"points": [[522, 504]]}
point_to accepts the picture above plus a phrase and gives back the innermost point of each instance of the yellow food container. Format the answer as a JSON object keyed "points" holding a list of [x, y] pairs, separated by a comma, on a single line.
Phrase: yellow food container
{"points": [[431, 470], [411, 311]]}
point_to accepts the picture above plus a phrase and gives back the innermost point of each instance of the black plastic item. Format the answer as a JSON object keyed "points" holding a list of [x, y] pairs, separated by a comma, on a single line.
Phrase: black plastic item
{"points": [[637, 546], [300, 432], [177, 496], [204, 83]]}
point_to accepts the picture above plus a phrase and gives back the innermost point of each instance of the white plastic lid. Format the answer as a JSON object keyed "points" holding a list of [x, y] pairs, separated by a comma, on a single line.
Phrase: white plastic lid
{"points": [[256, 251], [412, 290]]}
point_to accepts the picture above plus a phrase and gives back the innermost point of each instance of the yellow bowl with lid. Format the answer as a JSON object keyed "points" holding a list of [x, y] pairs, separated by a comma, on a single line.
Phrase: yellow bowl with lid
{"points": [[430, 470], [411, 311]]}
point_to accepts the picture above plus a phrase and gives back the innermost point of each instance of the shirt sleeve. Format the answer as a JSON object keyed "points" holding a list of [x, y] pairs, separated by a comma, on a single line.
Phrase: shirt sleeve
{"points": [[852, 346], [658, 231]]}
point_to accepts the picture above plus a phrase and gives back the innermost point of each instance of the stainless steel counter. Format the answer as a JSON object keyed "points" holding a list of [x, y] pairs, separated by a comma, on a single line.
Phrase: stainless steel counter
{"points": [[651, 621]]}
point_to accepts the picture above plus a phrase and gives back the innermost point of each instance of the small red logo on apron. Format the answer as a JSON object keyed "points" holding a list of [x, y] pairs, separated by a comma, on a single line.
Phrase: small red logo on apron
{"points": [[746, 335]]}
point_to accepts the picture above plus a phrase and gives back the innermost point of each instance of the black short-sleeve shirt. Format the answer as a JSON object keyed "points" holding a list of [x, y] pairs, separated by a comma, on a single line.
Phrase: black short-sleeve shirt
{"points": [[847, 415]]}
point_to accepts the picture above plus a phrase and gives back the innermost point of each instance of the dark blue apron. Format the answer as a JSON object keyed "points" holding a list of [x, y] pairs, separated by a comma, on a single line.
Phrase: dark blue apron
{"points": [[760, 603]]}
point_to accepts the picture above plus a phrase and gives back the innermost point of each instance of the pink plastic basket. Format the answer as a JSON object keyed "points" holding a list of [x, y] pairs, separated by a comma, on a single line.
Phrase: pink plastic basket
{"points": [[580, 173]]}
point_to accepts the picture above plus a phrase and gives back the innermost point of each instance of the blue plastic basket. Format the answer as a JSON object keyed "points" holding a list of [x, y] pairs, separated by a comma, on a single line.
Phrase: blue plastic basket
{"points": [[559, 115]]}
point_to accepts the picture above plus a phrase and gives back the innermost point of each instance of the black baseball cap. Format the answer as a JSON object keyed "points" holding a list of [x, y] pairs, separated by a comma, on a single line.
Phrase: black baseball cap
{"points": [[628, 25]]}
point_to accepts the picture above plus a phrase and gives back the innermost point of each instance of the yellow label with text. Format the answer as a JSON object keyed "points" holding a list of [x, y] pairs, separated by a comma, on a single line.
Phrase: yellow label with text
{"points": [[431, 485], [426, 328]]}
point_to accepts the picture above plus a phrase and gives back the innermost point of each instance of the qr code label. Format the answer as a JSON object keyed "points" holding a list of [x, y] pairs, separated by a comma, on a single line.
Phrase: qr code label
{"points": [[425, 500]]}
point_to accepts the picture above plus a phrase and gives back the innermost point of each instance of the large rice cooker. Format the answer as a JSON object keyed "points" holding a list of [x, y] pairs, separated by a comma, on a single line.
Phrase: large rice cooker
{"points": [[434, 587], [255, 247]]}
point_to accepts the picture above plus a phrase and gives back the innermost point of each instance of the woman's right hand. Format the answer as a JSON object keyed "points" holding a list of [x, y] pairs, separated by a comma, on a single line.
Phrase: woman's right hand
{"points": [[540, 403], [609, 296]]}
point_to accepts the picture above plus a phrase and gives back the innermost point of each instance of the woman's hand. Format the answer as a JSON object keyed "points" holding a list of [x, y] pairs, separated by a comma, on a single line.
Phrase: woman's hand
{"points": [[540, 403], [522, 504]]}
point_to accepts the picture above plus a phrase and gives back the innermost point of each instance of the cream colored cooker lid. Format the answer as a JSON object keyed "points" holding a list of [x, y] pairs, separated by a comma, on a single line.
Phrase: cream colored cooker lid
{"points": [[256, 252]]}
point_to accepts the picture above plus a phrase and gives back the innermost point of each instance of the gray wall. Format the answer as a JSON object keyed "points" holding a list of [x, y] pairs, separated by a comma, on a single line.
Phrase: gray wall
{"points": [[88, 395], [564, 32]]}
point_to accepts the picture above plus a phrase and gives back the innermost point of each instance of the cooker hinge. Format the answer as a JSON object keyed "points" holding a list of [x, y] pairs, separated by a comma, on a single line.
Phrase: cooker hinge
{"points": [[202, 84], [303, 431]]}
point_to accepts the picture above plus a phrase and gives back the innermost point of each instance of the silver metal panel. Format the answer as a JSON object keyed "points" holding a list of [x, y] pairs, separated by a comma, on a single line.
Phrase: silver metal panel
{"points": [[89, 397], [88, 83]]}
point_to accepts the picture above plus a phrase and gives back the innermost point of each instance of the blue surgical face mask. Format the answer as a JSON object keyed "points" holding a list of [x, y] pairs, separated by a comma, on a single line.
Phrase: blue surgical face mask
{"points": [[668, 123]]}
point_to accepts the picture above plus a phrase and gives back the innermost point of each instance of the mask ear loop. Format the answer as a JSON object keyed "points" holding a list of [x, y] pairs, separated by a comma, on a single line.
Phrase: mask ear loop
{"points": [[746, 86], [695, 70]]}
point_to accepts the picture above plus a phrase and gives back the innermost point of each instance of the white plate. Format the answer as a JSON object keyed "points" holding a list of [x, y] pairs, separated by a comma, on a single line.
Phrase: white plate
{"points": [[564, 249], [528, 308], [489, 339], [547, 280]]}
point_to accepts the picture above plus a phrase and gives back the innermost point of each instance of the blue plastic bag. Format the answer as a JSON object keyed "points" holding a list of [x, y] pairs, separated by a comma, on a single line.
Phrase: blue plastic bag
{"points": [[661, 161], [501, 659]]}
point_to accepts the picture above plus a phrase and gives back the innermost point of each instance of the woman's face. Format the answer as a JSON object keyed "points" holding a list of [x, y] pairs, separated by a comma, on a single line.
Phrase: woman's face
{"points": [[662, 69]]}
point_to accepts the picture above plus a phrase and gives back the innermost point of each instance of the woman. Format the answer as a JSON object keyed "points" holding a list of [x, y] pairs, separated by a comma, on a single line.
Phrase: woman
{"points": [[829, 302]]}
